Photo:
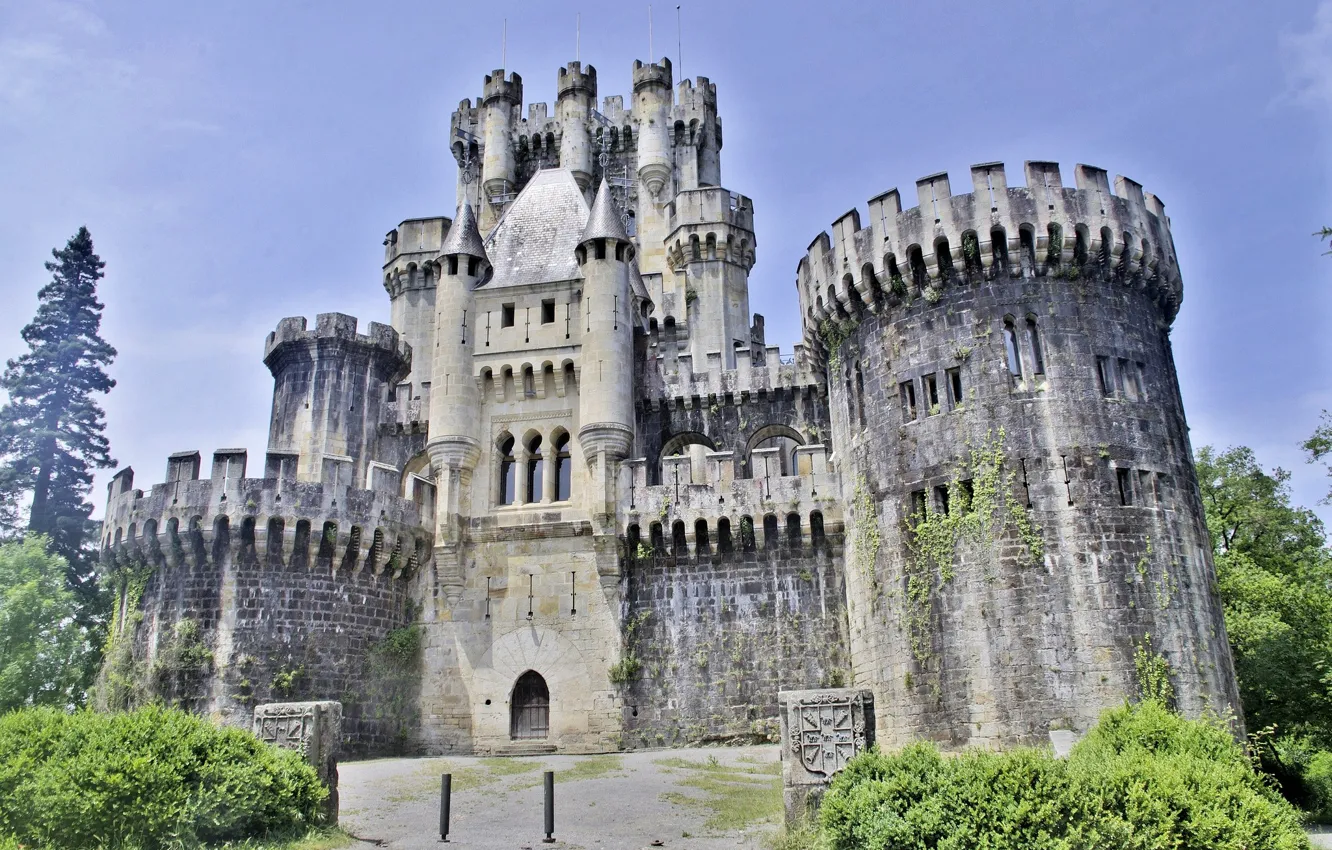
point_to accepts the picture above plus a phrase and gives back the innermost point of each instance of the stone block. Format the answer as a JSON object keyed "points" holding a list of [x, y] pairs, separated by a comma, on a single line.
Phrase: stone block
{"points": [[822, 730], [312, 729]]}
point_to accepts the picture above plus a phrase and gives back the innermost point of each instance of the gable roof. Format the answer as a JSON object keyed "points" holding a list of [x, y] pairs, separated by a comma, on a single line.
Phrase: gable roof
{"points": [[535, 239]]}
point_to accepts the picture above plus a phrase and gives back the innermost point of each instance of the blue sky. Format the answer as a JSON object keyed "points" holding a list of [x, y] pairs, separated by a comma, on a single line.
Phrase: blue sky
{"points": [[240, 162]]}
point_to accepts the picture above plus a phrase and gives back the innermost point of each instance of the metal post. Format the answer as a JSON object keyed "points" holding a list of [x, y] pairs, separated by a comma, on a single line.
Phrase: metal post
{"points": [[550, 808], [445, 790]]}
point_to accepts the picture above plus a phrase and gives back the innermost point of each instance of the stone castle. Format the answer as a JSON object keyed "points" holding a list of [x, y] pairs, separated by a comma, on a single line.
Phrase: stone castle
{"points": [[570, 499]]}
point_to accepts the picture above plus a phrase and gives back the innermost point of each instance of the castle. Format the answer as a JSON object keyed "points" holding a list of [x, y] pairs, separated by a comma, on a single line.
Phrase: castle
{"points": [[570, 499]]}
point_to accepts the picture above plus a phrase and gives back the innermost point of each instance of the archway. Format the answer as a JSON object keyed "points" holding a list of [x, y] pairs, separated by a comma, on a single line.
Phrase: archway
{"points": [[529, 709]]}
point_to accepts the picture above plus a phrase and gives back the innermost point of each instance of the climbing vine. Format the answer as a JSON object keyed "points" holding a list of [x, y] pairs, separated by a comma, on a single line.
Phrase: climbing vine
{"points": [[628, 667], [121, 684], [866, 541], [1152, 671], [980, 506], [834, 333]]}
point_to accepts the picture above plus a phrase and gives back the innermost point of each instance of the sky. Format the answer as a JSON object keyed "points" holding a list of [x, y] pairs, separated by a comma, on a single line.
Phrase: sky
{"points": [[238, 162]]}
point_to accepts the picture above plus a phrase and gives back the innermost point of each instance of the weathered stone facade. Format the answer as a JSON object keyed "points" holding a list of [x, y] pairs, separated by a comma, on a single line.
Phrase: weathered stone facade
{"points": [[571, 499]]}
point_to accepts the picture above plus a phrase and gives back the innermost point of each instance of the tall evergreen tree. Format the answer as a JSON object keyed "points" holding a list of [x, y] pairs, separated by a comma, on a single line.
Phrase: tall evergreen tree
{"points": [[51, 428]]}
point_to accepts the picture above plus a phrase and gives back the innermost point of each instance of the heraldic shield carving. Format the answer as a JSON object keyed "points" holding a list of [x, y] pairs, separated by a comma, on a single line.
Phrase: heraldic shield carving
{"points": [[827, 731]]}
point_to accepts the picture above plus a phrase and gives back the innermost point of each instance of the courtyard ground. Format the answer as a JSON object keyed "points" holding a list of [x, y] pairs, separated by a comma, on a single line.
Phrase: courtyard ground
{"points": [[699, 799]]}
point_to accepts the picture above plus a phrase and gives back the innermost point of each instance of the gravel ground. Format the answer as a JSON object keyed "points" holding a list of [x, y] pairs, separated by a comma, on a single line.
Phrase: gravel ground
{"points": [[700, 799]]}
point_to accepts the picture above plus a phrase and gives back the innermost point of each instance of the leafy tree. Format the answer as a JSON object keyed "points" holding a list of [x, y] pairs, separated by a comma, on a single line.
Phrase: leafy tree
{"points": [[1325, 233], [1274, 572], [45, 653], [51, 428], [1319, 447]]}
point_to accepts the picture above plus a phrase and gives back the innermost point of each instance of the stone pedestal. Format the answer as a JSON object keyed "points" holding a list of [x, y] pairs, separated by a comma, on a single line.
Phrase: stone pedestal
{"points": [[821, 731], [313, 729]]}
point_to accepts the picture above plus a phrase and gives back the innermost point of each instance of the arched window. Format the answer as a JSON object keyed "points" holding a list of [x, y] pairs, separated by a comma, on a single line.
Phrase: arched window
{"points": [[529, 710], [679, 544], [701, 542], [1011, 349], [793, 532], [507, 476], [769, 531], [1037, 354], [535, 468], [563, 469], [816, 536], [724, 543]]}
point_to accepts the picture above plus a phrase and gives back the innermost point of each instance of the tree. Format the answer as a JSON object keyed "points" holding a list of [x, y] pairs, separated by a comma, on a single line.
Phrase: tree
{"points": [[51, 428], [1274, 573], [1319, 447], [45, 653], [1325, 233]]}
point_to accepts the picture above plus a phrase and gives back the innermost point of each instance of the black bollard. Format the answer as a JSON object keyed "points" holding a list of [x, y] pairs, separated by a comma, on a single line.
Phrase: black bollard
{"points": [[445, 790], [550, 808]]}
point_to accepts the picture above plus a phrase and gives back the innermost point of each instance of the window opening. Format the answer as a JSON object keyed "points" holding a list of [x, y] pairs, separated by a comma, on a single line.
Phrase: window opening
{"points": [[548, 311], [535, 469], [930, 386], [907, 389], [506, 477], [1125, 481], [1037, 354], [563, 469], [506, 316], [918, 503], [941, 499], [1011, 349], [793, 532], [955, 387], [1130, 389]]}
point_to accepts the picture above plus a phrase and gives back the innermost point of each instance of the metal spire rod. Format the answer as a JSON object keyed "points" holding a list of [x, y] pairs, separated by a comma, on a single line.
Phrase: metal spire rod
{"points": [[578, 34], [504, 44], [651, 54], [679, 43]]}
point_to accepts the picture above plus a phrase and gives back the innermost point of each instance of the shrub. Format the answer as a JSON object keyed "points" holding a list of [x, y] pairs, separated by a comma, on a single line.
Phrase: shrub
{"points": [[152, 778], [1317, 777], [1143, 778]]}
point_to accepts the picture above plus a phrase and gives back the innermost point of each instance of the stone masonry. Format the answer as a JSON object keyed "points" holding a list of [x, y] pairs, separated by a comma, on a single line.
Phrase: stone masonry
{"points": [[570, 499]]}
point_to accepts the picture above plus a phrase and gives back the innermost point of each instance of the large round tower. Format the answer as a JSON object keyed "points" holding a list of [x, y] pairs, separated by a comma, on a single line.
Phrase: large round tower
{"points": [[1023, 511], [575, 99]]}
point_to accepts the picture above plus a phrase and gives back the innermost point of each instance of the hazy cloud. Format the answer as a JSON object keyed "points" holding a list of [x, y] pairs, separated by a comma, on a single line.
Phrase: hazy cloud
{"points": [[1307, 57]]}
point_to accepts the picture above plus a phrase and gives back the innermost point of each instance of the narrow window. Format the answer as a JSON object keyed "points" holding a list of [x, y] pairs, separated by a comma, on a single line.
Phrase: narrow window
{"points": [[1125, 481], [793, 531], [769, 531], [453, 264], [1104, 378], [967, 491], [930, 386], [1130, 387], [955, 387], [600, 248], [860, 395], [918, 503], [816, 536], [472, 264], [506, 316], [563, 469], [548, 311], [908, 392], [941, 499], [701, 543], [506, 477], [1138, 382], [1037, 353], [679, 544], [724, 542], [1145, 488], [1011, 349], [535, 469]]}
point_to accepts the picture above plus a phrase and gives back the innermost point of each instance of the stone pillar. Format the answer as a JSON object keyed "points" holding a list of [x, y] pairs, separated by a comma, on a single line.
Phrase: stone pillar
{"points": [[821, 731], [313, 729]]}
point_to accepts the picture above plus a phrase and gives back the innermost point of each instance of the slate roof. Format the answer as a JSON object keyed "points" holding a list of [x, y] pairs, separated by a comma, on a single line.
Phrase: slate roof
{"points": [[463, 236], [604, 220], [535, 239]]}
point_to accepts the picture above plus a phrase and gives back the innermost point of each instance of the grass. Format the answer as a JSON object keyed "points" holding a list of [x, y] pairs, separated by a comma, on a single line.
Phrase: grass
{"points": [[318, 839], [734, 796], [590, 767]]}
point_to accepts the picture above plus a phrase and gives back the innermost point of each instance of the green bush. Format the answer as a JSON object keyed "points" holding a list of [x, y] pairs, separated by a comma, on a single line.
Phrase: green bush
{"points": [[1143, 778], [148, 779]]}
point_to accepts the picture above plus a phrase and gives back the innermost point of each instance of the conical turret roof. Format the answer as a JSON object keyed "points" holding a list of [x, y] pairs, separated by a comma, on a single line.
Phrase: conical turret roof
{"points": [[604, 220], [464, 236]]}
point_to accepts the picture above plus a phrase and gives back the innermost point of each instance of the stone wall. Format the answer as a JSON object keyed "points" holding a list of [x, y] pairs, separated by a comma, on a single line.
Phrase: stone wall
{"points": [[718, 635]]}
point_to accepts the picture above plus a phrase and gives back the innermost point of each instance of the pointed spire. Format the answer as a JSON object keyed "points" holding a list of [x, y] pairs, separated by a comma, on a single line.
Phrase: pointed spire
{"points": [[604, 220], [464, 237]]}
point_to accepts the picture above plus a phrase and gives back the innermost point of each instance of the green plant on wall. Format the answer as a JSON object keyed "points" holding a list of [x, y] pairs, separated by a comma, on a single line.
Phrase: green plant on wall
{"points": [[180, 671], [1152, 672], [122, 683], [626, 670], [980, 509], [834, 334], [865, 543]]}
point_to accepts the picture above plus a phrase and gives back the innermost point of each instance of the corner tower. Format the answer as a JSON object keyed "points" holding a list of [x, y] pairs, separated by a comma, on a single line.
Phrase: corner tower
{"points": [[1023, 507]]}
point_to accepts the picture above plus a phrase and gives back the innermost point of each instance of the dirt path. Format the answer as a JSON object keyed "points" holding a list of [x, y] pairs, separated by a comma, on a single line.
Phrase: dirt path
{"points": [[700, 799]]}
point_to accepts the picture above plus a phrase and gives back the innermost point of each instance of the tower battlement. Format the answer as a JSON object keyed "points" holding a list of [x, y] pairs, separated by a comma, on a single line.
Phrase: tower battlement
{"points": [[669, 374], [292, 331], [261, 521], [651, 75], [497, 87], [573, 79], [997, 230], [693, 222]]}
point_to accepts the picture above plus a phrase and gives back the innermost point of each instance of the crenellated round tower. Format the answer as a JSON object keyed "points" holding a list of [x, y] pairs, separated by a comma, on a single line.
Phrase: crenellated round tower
{"points": [[502, 107], [576, 98], [1022, 508]]}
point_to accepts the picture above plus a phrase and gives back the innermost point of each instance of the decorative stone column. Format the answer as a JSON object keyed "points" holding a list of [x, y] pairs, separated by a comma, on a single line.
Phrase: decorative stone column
{"points": [[312, 729], [822, 730]]}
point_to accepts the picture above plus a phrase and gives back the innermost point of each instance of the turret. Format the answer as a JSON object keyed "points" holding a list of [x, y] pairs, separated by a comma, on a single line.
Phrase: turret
{"points": [[502, 103], [577, 94], [606, 401], [328, 387], [453, 445], [652, 113]]}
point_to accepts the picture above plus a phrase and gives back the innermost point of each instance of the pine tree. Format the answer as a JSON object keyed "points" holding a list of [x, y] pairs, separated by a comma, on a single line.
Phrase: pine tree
{"points": [[51, 429]]}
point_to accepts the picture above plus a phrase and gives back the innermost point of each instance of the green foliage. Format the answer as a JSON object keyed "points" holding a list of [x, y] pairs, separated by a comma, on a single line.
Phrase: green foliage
{"points": [[51, 428], [152, 778], [834, 333], [980, 507], [44, 649], [288, 681], [1324, 233], [1153, 674], [625, 670], [1143, 778], [1319, 446], [866, 540], [630, 665], [181, 668]]}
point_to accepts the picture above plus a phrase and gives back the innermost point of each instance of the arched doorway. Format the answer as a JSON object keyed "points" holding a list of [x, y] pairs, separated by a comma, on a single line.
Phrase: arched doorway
{"points": [[529, 710]]}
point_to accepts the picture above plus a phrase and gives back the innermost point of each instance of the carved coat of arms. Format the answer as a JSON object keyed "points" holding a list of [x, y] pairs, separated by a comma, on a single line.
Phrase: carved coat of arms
{"points": [[827, 731]]}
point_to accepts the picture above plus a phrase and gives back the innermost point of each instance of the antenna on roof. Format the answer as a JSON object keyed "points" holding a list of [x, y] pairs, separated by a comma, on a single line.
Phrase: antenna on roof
{"points": [[578, 34], [650, 53], [679, 44], [504, 44]]}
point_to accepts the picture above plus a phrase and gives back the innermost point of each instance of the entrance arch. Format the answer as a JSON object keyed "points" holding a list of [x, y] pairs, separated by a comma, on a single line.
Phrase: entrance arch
{"points": [[529, 708]]}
